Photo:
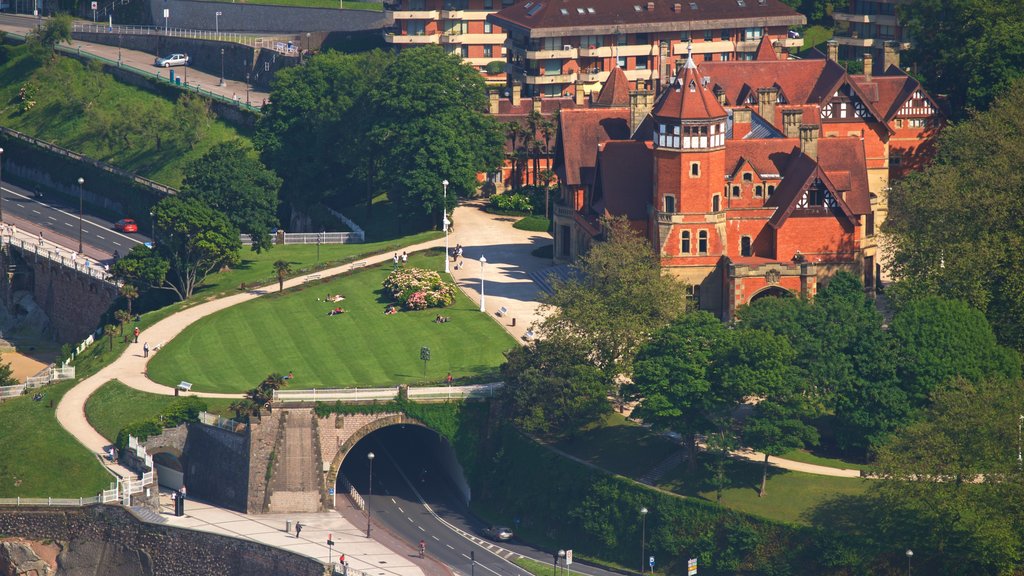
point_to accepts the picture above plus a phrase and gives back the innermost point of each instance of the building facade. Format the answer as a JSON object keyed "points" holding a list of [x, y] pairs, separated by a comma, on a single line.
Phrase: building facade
{"points": [[556, 48], [749, 177], [866, 25]]}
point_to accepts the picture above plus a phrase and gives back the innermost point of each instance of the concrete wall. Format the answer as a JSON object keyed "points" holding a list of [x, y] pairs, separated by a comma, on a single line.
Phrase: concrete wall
{"points": [[120, 544], [260, 18], [216, 466]]}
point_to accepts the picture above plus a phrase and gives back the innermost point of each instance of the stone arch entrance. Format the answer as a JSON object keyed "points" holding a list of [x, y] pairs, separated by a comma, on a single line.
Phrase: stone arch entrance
{"points": [[773, 291], [170, 471]]}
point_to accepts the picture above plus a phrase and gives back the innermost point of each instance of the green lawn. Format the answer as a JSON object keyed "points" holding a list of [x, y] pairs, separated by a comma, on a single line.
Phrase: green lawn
{"points": [[542, 569], [233, 350], [619, 445], [38, 458], [533, 224], [85, 110], [115, 405], [816, 36], [346, 4], [810, 457]]}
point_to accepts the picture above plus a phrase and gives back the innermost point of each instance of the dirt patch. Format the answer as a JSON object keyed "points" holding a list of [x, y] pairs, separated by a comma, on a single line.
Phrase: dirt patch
{"points": [[22, 365]]}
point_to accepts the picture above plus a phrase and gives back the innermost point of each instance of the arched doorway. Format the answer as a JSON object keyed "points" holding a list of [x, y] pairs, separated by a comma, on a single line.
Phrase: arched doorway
{"points": [[772, 291], [169, 470]]}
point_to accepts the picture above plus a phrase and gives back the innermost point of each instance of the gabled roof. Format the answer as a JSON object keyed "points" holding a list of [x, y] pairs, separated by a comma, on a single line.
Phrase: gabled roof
{"points": [[893, 88], [579, 134], [765, 51], [550, 18], [689, 97], [844, 161], [625, 179], [800, 173], [802, 81], [615, 92], [767, 157], [760, 128]]}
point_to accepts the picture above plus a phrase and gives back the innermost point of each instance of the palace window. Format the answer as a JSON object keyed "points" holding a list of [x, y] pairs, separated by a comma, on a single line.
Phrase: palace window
{"points": [[670, 204], [745, 246], [667, 136], [702, 242], [716, 203], [748, 177], [771, 189], [758, 191], [684, 242], [694, 169], [735, 191]]}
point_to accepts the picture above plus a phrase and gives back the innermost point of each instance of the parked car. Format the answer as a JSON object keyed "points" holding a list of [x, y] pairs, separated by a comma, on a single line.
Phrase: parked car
{"points": [[173, 60], [794, 34], [126, 225], [498, 533]]}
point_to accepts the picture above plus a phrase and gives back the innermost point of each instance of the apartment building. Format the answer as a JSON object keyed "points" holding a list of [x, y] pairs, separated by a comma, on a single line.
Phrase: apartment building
{"points": [[556, 47], [460, 26], [866, 25]]}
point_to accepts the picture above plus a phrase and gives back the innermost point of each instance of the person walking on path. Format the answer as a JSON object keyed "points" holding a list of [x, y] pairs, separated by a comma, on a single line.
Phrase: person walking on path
{"points": [[145, 350], [298, 528], [396, 260], [136, 334], [405, 258]]}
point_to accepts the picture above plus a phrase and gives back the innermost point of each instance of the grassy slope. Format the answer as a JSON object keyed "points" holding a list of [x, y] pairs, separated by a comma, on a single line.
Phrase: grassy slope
{"points": [[234, 349], [57, 119], [38, 458], [621, 446], [115, 405], [816, 36]]}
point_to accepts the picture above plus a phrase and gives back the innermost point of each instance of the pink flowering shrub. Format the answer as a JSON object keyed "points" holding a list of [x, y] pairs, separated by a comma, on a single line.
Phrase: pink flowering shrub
{"points": [[418, 289]]}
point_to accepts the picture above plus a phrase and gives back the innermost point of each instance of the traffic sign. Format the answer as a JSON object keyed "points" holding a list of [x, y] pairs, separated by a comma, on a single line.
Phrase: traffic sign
{"points": [[691, 567], [330, 491], [568, 557], [95, 5], [651, 560]]}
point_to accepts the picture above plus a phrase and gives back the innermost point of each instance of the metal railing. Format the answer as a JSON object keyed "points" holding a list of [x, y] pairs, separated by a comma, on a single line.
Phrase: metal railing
{"points": [[285, 44], [57, 256], [217, 421], [311, 238], [372, 394]]}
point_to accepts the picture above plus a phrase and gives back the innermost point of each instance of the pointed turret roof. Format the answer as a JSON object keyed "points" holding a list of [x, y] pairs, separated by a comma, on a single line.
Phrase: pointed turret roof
{"points": [[765, 50], [615, 92], [689, 98]]}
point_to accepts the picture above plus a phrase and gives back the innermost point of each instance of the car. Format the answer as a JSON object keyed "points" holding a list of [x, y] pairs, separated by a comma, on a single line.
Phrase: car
{"points": [[794, 34], [126, 225], [178, 59], [498, 533]]}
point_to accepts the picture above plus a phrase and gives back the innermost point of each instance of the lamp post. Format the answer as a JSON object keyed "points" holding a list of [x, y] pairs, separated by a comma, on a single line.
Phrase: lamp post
{"points": [[222, 83], [483, 261], [216, 21], [369, 495], [445, 223], [2, 189], [152, 226], [81, 187], [910, 554], [643, 539], [561, 556], [246, 88], [1020, 421]]}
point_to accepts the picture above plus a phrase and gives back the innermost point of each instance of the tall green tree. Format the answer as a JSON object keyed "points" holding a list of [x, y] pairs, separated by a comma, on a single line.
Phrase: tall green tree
{"points": [[53, 31], [955, 226], [615, 301], [230, 179]]}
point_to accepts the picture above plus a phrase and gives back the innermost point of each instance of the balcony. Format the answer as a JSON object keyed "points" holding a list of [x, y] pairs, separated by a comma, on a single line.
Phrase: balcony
{"points": [[596, 52], [563, 211], [450, 14], [714, 46], [414, 14], [412, 39], [791, 42], [634, 75], [883, 19], [551, 79], [634, 50], [593, 76], [496, 39], [551, 54]]}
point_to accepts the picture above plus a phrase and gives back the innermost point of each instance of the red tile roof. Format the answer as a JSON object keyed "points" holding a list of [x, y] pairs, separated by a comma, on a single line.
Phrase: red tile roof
{"points": [[615, 92], [765, 51], [597, 16], [688, 98], [800, 81], [549, 107], [579, 134]]}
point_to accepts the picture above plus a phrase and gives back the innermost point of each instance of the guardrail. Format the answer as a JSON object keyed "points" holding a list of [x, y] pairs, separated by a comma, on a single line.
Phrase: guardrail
{"points": [[311, 238], [57, 256], [285, 44], [372, 394], [217, 421]]}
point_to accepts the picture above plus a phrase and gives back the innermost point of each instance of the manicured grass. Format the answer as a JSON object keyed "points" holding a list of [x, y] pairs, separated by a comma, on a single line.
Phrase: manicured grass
{"points": [[533, 224], [233, 350], [619, 445], [38, 458], [816, 36], [540, 568], [812, 458], [115, 405], [81, 108], [788, 497], [346, 4]]}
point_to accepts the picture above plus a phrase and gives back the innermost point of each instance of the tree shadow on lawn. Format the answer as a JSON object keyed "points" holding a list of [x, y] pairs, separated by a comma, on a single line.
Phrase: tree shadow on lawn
{"points": [[738, 473]]}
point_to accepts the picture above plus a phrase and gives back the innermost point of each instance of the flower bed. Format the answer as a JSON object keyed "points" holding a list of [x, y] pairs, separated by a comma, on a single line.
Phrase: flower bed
{"points": [[419, 289]]}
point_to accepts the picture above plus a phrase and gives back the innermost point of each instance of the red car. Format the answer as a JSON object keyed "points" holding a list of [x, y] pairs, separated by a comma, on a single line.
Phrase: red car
{"points": [[126, 225]]}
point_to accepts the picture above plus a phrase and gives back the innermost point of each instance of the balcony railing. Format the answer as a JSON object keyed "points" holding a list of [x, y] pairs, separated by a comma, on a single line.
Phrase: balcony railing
{"points": [[496, 39], [594, 76], [552, 79], [551, 54], [563, 211], [596, 52], [412, 39], [679, 48], [415, 14], [883, 19]]}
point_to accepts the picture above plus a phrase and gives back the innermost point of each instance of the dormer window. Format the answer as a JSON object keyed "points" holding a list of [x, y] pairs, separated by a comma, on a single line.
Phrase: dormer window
{"points": [[816, 196], [667, 135], [693, 86], [748, 177]]}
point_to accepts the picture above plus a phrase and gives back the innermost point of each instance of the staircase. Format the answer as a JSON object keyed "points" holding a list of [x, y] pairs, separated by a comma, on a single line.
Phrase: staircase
{"points": [[295, 485], [655, 474], [542, 278]]}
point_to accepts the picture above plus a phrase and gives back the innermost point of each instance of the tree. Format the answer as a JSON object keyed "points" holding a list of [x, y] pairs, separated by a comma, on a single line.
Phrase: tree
{"points": [[552, 388], [966, 49], [615, 300], [129, 292], [230, 179], [193, 118], [7, 377], [955, 226], [777, 426], [282, 268], [122, 317], [108, 331], [53, 31], [672, 382]]}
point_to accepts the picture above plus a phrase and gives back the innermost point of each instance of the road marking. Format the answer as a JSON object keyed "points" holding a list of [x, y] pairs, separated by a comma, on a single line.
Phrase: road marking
{"points": [[20, 205], [393, 502], [117, 243], [36, 212], [100, 237], [69, 224], [409, 519], [450, 546], [436, 538], [421, 528], [52, 218], [55, 209], [400, 510], [464, 556]]}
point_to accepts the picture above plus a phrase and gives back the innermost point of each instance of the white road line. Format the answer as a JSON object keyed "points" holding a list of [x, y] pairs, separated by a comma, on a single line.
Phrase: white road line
{"points": [[100, 237], [409, 519], [36, 212], [450, 546], [400, 510], [69, 224], [52, 218], [393, 502], [464, 555], [421, 528], [436, 538], [20, 205], [64, 212]]}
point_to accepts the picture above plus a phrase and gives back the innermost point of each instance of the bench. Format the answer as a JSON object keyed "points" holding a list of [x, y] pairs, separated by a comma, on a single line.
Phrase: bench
{"points": [[157, 347], [501, 311], [529, 335], [185, 386], [312, 277], [359, 264]]}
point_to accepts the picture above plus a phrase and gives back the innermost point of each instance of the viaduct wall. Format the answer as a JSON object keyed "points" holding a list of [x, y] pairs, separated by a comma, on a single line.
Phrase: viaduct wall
{"points": [[116, 543], [240, 17]]}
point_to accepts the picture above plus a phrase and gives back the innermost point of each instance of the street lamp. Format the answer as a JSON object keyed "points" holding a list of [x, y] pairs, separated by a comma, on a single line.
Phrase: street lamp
{"points": [[246, 88], [1020, 421], [445, 223], [152, 226], [216, 21], [2, 193], [369, 495], [561, 556], [483, 261], [222, 83], [910, 554], [643, 539], [81, 187]]}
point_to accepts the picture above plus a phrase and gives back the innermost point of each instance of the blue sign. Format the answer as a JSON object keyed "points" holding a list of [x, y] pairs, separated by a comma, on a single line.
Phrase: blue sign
{"points": [[330, 491], [652, 561]]}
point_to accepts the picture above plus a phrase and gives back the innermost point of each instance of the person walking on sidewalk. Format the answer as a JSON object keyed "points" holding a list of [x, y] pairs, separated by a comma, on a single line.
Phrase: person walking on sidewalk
{"points": [[136, 334], [145, 350], [298, 528]]}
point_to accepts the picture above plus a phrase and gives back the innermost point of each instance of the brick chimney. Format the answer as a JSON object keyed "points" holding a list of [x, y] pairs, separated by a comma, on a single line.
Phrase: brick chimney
{"points": [[869, 65], [494, 102], [578, 95], [777, 46], [890, 55], [809, 140], [791, 120], [766, 99], [517, 92], [740, 122], [832, 50], [640, 104], [536, 104]]}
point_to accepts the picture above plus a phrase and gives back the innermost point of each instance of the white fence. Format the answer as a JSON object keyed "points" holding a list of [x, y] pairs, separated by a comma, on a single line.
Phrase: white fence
{"points": [[348, 222], [312, 238], [217, 421], [347, 486], [47, 375], [285, 44], [371, 394], [58, 256]]}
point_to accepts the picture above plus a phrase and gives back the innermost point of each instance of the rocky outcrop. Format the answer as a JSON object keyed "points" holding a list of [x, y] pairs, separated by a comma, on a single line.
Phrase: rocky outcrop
{"points": [[91, 558], [18, 559]]}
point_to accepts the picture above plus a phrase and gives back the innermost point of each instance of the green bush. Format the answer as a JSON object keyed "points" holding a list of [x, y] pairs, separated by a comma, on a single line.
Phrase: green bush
{"points": [[511, 203], [533, 224], [418, 289], [183, 410], [141, 430], [496, 67]]}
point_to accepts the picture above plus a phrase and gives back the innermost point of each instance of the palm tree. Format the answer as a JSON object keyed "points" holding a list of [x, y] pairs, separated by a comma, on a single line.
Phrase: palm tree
{"points": [[514, 130], [533, 125], [130, 292], [122, 318], [109, 330], [244, 408], [282, 268]]}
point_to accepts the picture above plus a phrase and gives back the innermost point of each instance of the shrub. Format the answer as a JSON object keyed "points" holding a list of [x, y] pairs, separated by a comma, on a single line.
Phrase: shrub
{"points": [[183, 410], [141, 430], [418, 289], [511, 203], [533, 224], [496, 67]]}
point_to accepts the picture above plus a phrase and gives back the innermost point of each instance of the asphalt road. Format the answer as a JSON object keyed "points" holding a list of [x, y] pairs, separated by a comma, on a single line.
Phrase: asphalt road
{"points": [[59, 224], [415, 506]]}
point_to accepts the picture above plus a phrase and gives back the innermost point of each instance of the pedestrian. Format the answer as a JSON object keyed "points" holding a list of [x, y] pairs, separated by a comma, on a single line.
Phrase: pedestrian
{"points": [[396, 260], [405, 258], [88, 264], [183, 491], [145, 350], [298, 528], [40, 237], [448, 379], [136, 334]]}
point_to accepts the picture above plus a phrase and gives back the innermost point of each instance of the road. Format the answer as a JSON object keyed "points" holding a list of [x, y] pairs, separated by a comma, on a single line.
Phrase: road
{"points": [[433, 512], [58, 222]]}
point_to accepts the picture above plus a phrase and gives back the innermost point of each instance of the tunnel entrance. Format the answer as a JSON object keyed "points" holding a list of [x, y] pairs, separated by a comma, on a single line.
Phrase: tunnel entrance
{"points": [[169, 471]]}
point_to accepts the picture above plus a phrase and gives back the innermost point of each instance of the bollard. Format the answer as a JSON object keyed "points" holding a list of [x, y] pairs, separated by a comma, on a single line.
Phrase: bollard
{"points": [[513, 322], [288, 526]]}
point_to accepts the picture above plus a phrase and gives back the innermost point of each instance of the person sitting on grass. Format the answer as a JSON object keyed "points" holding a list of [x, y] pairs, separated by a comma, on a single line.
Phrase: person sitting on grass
{"points": [[336, 311], [441, 319], [336, 298], [390, 310], [289, 376]]}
